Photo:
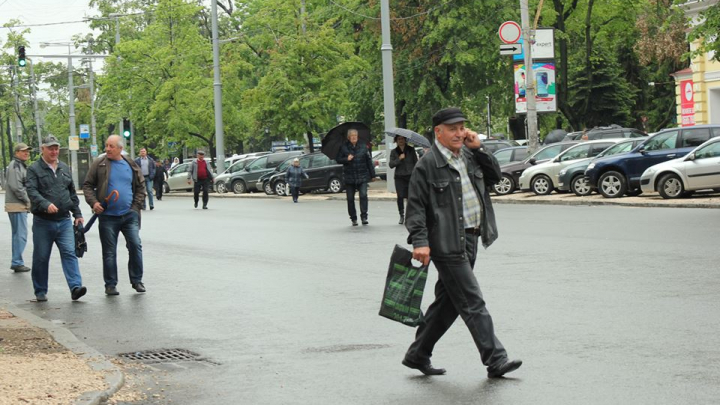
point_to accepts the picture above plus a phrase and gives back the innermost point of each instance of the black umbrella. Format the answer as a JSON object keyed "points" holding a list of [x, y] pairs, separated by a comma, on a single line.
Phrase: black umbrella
{"points": [[104, 204], [80, 244], [412, 137], [335, 137]]}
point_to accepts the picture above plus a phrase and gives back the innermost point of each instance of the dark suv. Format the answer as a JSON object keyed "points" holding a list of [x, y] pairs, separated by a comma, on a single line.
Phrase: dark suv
{"points": [[616, 176], [611, 132], [323, 174], [245, 179]]}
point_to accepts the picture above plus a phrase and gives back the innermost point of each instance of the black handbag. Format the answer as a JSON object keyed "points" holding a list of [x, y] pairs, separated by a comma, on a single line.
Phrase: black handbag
{"points": [[404, 287], [80, 244]]}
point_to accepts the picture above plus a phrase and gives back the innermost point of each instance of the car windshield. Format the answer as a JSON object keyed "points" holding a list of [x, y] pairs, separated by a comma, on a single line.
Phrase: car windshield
{"points": [[577, 152], [617, 148], [257, 164], [708, 151], [548, 152], [665, 140], [503, 156]]}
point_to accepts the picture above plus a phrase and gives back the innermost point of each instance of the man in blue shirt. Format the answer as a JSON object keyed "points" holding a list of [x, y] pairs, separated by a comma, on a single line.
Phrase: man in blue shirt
{"points": [[115, 172]]}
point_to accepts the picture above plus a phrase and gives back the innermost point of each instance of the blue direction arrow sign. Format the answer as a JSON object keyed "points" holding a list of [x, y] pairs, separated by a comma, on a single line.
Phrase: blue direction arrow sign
{"points": [[510, 49]]}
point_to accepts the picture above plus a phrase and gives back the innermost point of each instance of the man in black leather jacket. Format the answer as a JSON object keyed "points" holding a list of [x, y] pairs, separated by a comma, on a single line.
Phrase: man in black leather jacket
{"points": [[358, 170], [449, 207]]}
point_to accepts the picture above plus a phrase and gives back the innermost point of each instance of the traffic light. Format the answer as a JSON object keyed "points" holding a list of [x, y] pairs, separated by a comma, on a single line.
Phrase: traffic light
{"points": [[126, 128], [21, 56]]}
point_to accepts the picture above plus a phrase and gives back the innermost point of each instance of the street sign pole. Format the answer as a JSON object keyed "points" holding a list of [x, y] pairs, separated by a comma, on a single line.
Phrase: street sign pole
{"points": [[529, 79]]}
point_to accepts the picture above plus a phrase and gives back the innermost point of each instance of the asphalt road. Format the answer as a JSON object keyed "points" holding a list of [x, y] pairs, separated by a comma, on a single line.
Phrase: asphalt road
{"points": [[605, 305]]}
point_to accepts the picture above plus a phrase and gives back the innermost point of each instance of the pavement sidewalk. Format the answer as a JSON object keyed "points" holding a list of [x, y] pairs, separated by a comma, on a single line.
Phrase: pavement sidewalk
{"points": [[44, 363]]}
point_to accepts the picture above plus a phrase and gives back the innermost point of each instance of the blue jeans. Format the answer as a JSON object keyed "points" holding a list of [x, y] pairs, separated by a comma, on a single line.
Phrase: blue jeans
{"points": [[45, 233], [109, 228], [350, 193], [18, 223], [149, 190]]}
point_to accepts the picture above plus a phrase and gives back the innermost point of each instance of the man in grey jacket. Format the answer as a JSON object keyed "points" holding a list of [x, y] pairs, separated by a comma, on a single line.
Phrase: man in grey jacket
{"points": [[448, 209], [201, 174], [17, 205]]}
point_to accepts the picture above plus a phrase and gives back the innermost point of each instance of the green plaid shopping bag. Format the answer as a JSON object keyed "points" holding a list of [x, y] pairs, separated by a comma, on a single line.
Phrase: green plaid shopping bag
{"points": [[404, 288]]}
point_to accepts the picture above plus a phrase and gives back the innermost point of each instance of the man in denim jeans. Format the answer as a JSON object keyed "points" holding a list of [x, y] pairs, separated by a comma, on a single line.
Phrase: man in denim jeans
{"points": [[115, 172], [17, 205], [53, 197]]}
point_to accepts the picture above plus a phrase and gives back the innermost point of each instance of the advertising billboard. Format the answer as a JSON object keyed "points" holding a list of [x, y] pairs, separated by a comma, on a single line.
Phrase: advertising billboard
{"points": [[545, 97]]}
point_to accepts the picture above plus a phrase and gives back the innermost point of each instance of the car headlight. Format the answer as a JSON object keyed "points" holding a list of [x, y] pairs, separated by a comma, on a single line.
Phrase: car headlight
{"points": [[562, 172], [591, 166]]}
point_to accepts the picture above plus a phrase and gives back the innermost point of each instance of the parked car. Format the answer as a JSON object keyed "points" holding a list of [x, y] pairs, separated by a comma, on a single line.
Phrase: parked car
{"points": [[263, 182], [572, 178], [698, 170], [542, 179], [323, 174], [234, 158], [616, 176], [245, 180], [511, 171], [221, 181], [177, 176], [512, 154], [380, 161], [612, 132], [494, 145]]}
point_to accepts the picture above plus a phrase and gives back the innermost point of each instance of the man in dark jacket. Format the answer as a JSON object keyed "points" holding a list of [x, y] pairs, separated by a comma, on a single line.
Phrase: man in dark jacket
{"points": [[358, 170], [448, 208], [53, 197], [159, 179], [147, 166], [115, 172], [201, 174]]}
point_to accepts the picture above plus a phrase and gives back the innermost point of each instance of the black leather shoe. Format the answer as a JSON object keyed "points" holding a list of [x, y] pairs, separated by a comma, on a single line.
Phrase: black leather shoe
{"points": [[139, 287], [354, 222], [402, 219], [365, 221], [111, 291], [195, 205], [426, 369], [204, 207], [20, 268], [40, 297], [78, 292], [508, 367]]}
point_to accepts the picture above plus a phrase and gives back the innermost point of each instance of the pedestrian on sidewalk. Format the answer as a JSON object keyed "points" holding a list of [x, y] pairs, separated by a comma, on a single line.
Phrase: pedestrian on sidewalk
{"points": [[17, 205], [358, 170], [201, 173], [293, 177], [147, 166], [159, 180], [112, 172], [403, 159], [53, 198], [448, 208]]}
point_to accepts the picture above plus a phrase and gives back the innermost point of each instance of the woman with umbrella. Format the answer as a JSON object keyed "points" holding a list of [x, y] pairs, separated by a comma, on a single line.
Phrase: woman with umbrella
{"points": [[403, 159]]}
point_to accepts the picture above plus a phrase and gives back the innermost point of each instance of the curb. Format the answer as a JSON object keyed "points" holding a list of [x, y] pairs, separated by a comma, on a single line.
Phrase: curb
{"points": [[97, 361], [577, 201]]}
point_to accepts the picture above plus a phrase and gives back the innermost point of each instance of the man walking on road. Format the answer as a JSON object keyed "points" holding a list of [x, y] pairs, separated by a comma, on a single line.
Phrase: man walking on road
{"points": [[115, 172], [358, 170], [448, 208], [147, 166], [17, 205], [159, 180], [201, 173], [53, 197]]}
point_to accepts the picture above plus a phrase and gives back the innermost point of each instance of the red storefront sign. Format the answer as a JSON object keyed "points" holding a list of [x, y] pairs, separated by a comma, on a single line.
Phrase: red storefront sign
{"points": [[687, 103]]}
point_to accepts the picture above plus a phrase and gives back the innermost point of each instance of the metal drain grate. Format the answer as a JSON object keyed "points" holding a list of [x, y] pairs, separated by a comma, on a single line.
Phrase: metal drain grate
{"points": [[162, 356]]}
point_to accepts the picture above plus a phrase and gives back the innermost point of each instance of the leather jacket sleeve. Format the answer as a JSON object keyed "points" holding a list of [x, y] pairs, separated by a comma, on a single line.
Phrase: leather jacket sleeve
{"points": [[417, 206]]}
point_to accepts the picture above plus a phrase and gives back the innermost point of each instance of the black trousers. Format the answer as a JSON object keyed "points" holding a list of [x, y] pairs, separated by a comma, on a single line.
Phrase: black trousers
{"points": [[205, 186], [457, 292], [158, 186], [350, 190], [295, 191]]}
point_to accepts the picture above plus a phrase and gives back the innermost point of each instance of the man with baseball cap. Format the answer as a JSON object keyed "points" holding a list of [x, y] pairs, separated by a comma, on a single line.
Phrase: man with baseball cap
{"points": [[449, 209], [17, 205], [53, 198], [201, 173]]}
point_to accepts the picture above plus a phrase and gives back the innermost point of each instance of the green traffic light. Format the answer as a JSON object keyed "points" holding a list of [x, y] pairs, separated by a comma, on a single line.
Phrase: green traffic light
{"points": [[22, 62], [126, 134]]}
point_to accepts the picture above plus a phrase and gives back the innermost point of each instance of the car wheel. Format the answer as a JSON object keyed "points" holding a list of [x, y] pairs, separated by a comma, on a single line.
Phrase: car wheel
{"points": [[221, 187], [541, 185], [239, 187], [505, 186], [670, 186], [580, 186], [268, 188], [166, 188], [334, 185], [280, 188], [612, 185]]}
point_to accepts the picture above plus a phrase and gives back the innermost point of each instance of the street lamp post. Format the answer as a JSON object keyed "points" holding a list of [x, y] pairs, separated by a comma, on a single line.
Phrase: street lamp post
{"points": [[217, 90], [117, 41]]}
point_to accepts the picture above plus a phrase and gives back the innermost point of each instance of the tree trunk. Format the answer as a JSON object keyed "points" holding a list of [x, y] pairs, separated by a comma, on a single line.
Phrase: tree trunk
{"points": [[562, 77]]}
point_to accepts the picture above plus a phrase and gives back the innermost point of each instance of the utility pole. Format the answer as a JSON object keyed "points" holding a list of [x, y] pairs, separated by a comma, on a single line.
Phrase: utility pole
{"points": [[35, 105], [18, 124], [73, 134], [117, 41], [217, 89], [388, 84], [529, 78]]}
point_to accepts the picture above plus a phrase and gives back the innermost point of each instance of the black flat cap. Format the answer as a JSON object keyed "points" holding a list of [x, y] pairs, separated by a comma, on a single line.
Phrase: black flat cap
{"points": [[450, 115]]}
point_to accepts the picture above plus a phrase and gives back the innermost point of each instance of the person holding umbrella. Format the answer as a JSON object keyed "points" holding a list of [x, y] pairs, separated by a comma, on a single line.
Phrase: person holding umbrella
{"points": [[116, 175], [358, 170], [403, 159]]}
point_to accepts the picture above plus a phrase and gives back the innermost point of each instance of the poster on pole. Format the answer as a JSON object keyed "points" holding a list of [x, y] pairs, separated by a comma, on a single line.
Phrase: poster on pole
{"points": [[84, 131], [545, 97], [687, 103]]}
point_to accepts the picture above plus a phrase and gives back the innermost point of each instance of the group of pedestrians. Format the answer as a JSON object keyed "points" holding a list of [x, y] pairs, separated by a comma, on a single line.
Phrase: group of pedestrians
{"points": [[46, 190]]}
